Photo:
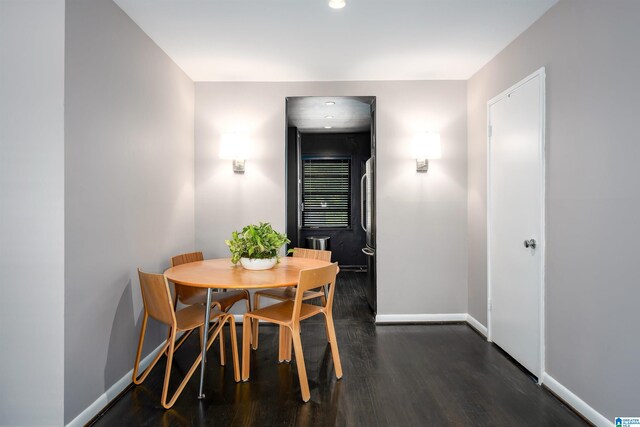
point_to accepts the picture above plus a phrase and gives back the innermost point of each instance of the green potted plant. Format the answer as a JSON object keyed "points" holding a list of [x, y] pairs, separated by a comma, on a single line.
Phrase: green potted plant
{"points": [[256, 246]]}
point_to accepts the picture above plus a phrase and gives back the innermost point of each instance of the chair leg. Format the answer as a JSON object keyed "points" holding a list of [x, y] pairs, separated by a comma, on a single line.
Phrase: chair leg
{"points": [[334, 345], [302, 371], [191, 371], [286, 345], [247, 309], [254, 322], [248, 295], [323, 299], [175, 308], [214, 332], [234, 347], [211, 329], [170, 348], [187, 377], [136, 366], [167, 371], [223, 352], [246, 346], [281, 335], [182, 340], [281, 343]]}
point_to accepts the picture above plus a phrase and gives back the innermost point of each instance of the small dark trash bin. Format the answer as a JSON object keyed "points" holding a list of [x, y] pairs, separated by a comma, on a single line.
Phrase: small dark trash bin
{"points": [[318, 242]]}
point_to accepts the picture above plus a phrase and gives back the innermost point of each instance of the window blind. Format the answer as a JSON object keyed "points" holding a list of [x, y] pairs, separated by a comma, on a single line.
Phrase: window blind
{"points": [[326, 193]]}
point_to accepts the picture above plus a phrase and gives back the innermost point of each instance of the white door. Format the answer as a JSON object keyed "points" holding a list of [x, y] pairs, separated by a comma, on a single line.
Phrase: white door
{"points": [[516, 215]]}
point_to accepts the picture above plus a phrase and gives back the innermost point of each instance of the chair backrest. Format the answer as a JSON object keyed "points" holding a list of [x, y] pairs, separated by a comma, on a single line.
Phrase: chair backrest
{"points": [[314, 278], [185, 292], [156, 297], [312, 254], [186, 258]]}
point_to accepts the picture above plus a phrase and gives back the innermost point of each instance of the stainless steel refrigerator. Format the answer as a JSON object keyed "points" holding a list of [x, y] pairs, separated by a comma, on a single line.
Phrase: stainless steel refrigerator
{"points": [[367, 221]]}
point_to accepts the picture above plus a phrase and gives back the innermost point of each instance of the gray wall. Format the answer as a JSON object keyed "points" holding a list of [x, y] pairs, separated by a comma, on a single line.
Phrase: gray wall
{"points": [[129, 189], [590, 49], [31, 212], [421, 217]]}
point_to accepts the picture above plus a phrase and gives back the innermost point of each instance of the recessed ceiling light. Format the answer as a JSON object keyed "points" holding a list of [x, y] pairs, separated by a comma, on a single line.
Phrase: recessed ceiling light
{"points": [[337, 4], [330, 103], [327, 127], [328, 117]]}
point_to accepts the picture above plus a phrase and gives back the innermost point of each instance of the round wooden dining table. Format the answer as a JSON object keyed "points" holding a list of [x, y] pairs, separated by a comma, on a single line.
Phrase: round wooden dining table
{"points": [[221, 273]]}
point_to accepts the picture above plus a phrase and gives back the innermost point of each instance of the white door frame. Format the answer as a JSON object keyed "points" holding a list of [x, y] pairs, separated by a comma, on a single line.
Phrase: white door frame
{"points": [[542, 241]]}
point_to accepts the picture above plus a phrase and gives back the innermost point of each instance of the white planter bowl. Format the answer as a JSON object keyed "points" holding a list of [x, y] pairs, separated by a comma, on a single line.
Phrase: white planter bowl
{"points": [[258, 264]]}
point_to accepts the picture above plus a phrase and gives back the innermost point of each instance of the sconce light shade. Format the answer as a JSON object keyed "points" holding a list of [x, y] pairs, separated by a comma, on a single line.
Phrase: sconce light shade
{"points": [[235, 146], [426, 145]]}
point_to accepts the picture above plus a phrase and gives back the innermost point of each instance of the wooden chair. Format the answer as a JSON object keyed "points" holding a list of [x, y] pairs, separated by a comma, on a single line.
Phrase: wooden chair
{"points": [[158, 304], [190, 295], [289, 293], [288, 315]]}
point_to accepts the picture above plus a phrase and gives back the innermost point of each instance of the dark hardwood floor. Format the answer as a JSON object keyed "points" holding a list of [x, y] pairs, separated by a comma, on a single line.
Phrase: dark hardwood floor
{"points": [[404, 375]]}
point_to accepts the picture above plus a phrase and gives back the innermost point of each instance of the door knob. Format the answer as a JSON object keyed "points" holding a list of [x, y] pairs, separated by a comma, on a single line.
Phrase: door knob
{"points": [[530, 243]]}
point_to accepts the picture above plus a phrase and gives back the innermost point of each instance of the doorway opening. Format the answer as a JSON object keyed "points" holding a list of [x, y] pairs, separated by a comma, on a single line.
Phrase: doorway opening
{"points": [[330, 175]]}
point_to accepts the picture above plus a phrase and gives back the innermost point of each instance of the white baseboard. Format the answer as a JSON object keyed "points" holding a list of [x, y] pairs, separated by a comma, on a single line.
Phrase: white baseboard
{"points": [[85, 416], [477, 325], [419, 318], [575, 402]]}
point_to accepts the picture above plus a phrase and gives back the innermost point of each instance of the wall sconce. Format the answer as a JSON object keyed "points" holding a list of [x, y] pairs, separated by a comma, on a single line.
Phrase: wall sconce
{"points": [[426, 146], [235, 146]]}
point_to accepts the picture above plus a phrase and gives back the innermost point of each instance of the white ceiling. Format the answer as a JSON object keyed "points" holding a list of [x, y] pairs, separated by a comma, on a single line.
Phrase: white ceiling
{"points": [[305, 40]]}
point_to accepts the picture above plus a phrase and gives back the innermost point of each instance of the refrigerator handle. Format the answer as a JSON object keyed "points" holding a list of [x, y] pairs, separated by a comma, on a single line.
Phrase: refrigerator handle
{"points": [[362, 204], [368, 251]]}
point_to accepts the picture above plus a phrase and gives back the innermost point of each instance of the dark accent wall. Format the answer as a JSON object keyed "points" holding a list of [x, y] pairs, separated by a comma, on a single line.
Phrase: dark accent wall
{"points": [[346, 244]]}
